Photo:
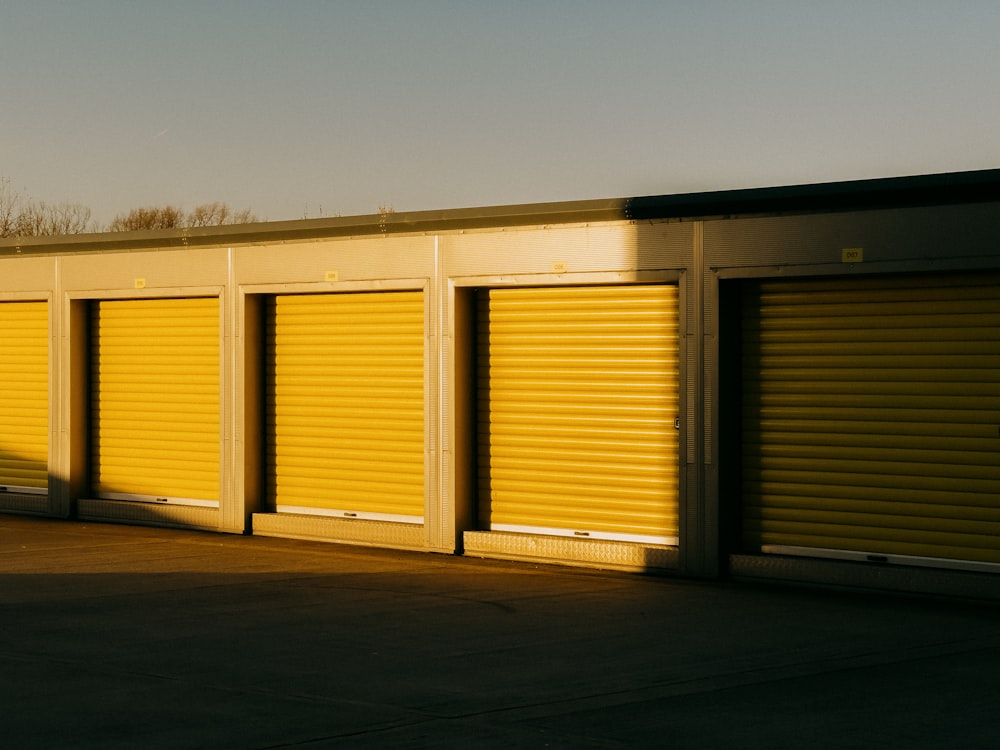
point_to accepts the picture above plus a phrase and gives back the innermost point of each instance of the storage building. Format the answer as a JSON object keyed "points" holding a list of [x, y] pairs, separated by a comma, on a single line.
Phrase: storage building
{"points": [[797, 383]]}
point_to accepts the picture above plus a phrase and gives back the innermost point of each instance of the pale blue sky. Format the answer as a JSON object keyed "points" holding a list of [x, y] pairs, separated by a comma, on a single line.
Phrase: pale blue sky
{"points": [[313, 107]]}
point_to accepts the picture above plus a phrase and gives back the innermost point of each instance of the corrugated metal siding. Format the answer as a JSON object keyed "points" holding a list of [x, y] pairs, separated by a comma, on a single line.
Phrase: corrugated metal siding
{"points": [[578, 394], [871, 410], [24, 395], [155, 398], [345, 403]]}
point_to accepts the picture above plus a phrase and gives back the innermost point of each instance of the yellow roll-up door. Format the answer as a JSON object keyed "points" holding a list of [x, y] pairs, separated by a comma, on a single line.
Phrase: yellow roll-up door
{"points": [[871, 410], [345, 404], [155, 399], [578, 396], [24, 396]]}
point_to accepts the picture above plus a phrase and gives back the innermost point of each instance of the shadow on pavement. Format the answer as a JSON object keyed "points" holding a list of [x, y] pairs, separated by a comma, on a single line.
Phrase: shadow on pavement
{"points": [[122, 637]]}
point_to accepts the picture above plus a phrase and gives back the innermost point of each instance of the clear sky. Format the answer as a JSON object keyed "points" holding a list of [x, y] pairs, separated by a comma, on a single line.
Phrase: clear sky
{"points": [[325, 107]]}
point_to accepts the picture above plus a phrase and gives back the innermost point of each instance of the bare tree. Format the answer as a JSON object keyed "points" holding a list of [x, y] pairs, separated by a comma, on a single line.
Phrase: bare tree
{"points": [[72, 218], [218, 214], [148, 217], [22, 217], [170, 217], [11, 203], [43, 219]]}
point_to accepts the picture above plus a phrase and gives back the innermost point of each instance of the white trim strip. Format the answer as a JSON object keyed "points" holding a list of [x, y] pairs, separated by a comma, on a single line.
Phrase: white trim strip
{"points": [[14, 489], [349, 514], [582, 534], [882, 559], [158, 500]]}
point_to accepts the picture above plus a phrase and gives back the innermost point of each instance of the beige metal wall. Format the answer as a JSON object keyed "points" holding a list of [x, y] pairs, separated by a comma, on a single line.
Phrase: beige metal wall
{"points": [[447, 269], [610, 256], [343, 269], [240, 284], [79, 285], [86, 280], [855, 432]]}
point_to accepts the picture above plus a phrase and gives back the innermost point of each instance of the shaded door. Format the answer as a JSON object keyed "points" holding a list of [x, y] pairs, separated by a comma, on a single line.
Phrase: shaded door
{"points": [[871, 410]]}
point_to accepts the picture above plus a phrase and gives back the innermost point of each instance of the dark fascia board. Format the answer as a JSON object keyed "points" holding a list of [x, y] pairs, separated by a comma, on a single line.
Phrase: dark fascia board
{"points": [[980, 186]]}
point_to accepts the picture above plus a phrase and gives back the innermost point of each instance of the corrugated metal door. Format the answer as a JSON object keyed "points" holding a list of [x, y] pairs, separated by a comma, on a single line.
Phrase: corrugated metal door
{"points": [[871, 410], [155, 399], [24, 396], [345, 404], [578, 396]]}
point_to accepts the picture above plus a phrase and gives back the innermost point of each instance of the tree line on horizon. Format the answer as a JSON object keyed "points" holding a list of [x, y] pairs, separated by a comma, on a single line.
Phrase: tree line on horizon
{"points": [[22, 216]]}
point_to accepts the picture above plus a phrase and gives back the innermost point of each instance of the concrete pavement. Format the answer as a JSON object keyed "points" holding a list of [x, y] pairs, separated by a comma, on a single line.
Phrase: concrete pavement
{"points": [[125, 637]]}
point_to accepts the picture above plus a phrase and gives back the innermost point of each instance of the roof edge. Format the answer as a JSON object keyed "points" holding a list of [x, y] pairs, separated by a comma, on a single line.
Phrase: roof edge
{"points": [[908, 191]]}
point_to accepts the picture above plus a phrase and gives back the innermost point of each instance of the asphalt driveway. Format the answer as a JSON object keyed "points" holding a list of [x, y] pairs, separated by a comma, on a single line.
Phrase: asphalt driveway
{"points": [[125, 637]]}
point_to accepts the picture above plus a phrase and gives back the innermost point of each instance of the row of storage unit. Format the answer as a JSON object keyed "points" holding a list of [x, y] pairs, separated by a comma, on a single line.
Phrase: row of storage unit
{"points": [[791, 383]]}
